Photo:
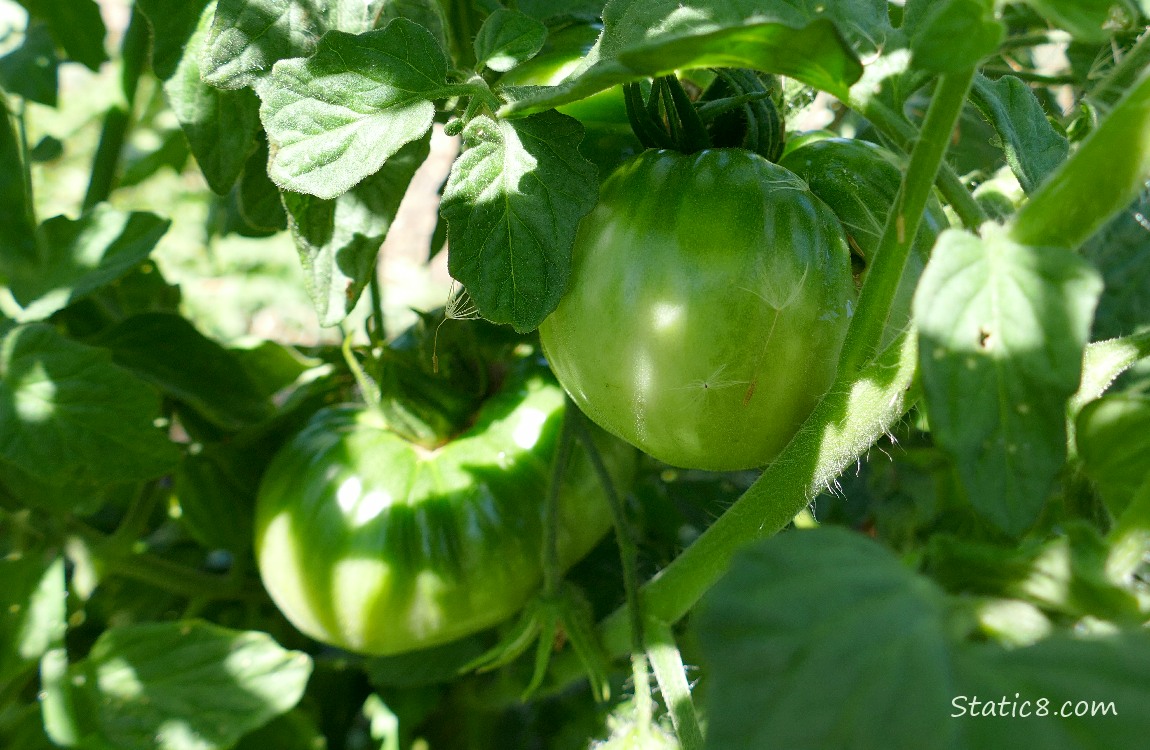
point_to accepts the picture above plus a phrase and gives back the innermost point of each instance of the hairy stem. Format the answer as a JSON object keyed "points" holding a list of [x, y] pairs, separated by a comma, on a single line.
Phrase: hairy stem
{"points": [[902, 223], [672, 678], [902, 134]]}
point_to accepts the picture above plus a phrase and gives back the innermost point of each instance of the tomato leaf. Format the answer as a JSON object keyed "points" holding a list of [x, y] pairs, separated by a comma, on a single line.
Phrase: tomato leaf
{"points": [[32, 599], [795, 610], [1108, 171], [221, 126], [30, 70], [1002, 328], [82, 255], [1113, 435], [76, 26], [336, 117], [67, 413], [512, 202], [173, 22], [952, 35], [1033, 147], [508, 38], [216, 490], [247, 37], [643, 39], [167, 351], [258, 199], [828, 625], [339, 239], [206, 686], [1121, 251]]}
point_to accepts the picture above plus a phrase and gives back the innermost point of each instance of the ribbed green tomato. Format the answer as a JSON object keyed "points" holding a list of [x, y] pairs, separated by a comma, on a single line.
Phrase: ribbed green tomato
{"points": [[709, 297], [370, 543]]}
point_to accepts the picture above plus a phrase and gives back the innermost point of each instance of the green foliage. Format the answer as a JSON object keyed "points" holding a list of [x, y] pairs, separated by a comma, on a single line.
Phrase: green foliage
{"points": [[1002, 330], [512, 203], [976, 456], [796, 610], [336, 117]]}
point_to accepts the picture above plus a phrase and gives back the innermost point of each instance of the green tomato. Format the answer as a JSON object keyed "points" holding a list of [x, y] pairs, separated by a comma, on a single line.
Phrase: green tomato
{"points": [[373, 544], [860, 180], [709, 298]]}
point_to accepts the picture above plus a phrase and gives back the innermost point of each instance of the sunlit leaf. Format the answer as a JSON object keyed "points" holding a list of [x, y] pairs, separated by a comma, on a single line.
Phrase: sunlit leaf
{"points": [[1002, 328], [336, 117], [513, 202]]}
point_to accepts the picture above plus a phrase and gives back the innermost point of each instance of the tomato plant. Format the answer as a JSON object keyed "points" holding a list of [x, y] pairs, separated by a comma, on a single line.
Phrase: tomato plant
{"points": [[706, 343], [866, 282]]}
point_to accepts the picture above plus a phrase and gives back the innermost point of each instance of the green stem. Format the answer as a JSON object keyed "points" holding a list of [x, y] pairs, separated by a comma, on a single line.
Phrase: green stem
{"points": [[902, 223], [156, 571], [1030, 76], [902, 134], [644, 705], [628, 550], [671, 675], [377, 332], [135, 521], [1035, 39], [1110, 89], [552, 570], [26, 164], [854, 414], [367, 387]]}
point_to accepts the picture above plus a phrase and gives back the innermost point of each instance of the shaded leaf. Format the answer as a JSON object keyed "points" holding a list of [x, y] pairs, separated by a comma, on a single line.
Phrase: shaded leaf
{"points": [[221, 126], [823, 639], [76, 25], [30, 70], [1121, 251], [336, 117], [67, 413], [183, 686], [166, 350], [82, 255], [32, 609], [512, 203], [952, 35], [258, 198], [216, 490], [508, 38], [829, 626], [338, 239], [1033, 147], [1113, 435], [1002, 328], [173, 22]]}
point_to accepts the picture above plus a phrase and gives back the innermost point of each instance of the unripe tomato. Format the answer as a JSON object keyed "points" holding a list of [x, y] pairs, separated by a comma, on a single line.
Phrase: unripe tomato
{"points": [[371, 543], [709, 297]]}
